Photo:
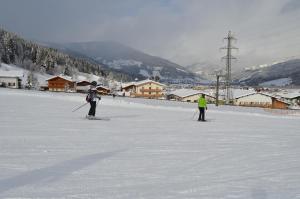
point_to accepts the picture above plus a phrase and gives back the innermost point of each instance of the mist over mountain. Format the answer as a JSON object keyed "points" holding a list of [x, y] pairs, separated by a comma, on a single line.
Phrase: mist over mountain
{"points": [[205, 69], [127, 60]]}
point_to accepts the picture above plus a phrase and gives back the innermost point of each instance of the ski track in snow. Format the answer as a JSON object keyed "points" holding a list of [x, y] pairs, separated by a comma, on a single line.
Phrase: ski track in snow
{"points": [[149, 149]]}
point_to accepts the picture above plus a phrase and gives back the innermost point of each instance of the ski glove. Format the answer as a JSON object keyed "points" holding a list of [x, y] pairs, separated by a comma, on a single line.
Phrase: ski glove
{"points": [[99, 98]]}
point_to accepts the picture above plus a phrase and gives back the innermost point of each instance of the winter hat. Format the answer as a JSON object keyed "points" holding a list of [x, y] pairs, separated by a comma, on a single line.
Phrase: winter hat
{"points": [[94, 83]]}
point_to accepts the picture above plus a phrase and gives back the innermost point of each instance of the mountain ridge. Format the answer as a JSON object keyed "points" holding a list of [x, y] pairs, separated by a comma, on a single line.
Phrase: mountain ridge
{"points": [[128, 60]]}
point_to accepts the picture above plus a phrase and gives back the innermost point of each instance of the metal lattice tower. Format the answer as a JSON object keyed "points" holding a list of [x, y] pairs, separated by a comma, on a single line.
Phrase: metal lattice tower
{"points": [[228, 58]]}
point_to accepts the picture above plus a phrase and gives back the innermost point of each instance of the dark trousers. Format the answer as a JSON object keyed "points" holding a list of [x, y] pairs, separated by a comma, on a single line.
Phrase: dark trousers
{"points": [[201, 114], [93, 108]]}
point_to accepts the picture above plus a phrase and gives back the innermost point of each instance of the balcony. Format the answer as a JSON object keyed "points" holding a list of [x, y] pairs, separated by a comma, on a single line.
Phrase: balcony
{"points": [[151, 90]]}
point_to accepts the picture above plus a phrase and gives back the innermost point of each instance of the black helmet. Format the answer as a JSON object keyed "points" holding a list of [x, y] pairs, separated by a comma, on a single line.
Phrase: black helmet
{"points": [[94, 83]]}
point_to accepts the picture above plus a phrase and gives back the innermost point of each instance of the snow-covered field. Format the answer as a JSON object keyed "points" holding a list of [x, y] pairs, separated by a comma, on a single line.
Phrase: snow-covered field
{"points": [[148, 149]]}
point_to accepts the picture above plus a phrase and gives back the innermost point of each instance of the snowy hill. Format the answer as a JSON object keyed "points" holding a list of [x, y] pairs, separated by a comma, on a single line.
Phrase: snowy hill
{"points": [[205, 69], [148, 149], [41, 58], [276, 74], [127, 60]]}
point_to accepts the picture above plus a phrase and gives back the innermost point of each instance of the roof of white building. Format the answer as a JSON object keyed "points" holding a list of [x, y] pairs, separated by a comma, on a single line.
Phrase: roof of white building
{"points": [[255, 93], [241, 92], [124, 85], [11, 73], [188, 92]]}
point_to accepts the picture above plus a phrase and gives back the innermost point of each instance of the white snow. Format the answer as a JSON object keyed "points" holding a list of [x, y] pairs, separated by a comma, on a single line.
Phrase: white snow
{"points": [[278, 82], [149, 149], [119, 63], [144, 73], [23, 73]]}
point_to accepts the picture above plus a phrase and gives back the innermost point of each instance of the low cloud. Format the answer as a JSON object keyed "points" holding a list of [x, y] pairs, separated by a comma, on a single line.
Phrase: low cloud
{"points": [[182, 31]]}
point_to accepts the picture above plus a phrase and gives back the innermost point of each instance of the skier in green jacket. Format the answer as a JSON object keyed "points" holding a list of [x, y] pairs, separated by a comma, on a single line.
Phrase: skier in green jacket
{"points": [[202, 107]]}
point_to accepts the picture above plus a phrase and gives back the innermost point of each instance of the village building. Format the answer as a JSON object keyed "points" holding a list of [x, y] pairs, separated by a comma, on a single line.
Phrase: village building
{"points": [[82, 86], [145, 89], [291, 97], [102, 90], [11, 79], [61, 83], [260, 100], [189, 95]]}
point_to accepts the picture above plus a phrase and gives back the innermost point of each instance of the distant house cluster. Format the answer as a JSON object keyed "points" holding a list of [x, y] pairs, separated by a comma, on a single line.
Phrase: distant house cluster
{"points": [[241, 97], [67, 84], [155, 90]]}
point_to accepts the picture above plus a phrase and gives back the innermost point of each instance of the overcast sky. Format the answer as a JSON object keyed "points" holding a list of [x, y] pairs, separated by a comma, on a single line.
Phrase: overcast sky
{"points": [[183, 31]]}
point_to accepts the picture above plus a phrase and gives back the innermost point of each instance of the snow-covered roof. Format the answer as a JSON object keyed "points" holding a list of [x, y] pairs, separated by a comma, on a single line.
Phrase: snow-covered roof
{"points": [[187, 92], [255, 93], [11, 73], [102, 87], [140, 83], [124, 85], [68, 78], [148, 81], [291, 95], [237, 93]]}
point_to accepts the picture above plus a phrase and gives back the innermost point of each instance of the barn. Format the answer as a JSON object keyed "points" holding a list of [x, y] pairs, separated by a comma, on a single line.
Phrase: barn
{"points": [[262, 100]]}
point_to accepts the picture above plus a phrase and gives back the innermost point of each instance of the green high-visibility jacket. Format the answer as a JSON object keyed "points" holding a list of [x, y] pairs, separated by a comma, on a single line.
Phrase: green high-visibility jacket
{"points": [[202, 102]]}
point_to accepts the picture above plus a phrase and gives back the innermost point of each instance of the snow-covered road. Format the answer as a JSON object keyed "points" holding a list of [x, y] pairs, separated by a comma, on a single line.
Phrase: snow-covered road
{"points": [[149, 149]]}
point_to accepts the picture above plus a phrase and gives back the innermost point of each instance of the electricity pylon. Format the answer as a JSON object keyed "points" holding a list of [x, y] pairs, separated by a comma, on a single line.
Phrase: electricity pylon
{"points": [[228, 58]]}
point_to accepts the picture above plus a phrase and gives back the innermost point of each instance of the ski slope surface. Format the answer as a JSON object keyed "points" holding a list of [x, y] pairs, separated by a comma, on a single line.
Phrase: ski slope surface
{"points": [[148, 149]]}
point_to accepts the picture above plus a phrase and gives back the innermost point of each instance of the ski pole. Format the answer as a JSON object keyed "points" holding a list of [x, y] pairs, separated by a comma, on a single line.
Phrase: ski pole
{"points": [[195, 114], [80, 107]]}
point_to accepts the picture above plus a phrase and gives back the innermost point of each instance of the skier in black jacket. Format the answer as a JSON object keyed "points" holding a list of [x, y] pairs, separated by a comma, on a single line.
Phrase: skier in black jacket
{"points": [[92, 97]]}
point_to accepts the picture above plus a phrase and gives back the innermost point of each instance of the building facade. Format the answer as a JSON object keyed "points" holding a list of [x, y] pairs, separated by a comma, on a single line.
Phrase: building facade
{"points": [[144, 89], [102, 90], [10, 79], [61, 84], [260, 100]]}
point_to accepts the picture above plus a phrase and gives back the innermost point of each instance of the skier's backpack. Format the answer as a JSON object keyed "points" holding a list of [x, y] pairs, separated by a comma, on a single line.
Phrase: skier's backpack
{"points": [[88, 98]]}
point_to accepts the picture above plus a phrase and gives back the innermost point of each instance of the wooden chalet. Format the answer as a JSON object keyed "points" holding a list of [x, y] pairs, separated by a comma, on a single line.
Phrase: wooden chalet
{"points": [[82, 86], [102, 90], [61, 83]]}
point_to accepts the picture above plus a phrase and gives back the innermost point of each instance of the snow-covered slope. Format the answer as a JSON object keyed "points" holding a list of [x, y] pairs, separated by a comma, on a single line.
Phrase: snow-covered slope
{"points": [[148, 149], [41, 78], [274, 73]]}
